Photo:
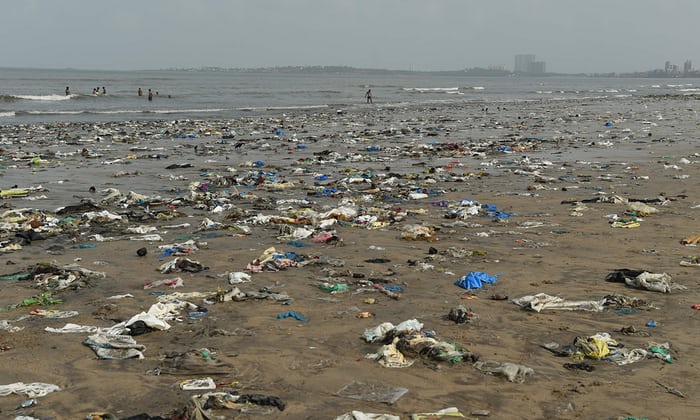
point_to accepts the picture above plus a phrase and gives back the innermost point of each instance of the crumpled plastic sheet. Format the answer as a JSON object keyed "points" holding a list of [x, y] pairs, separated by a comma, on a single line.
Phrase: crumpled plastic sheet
{"points": [[238, 277], [378, 333], [475, 280], [114, 346], [6, 326], [72, 328], [656, 282], [512, 371], [443, 413], [31, 390], [542, 301], [150, 320], [596, 346], [625, 356], [371, 392], [389, 356], [641, 209], [360, 415], [417, 232]]}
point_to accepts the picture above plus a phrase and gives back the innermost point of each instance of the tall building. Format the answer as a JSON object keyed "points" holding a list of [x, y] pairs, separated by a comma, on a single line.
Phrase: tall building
{"points": [[537, 67], [687, 66], [523, 63]]}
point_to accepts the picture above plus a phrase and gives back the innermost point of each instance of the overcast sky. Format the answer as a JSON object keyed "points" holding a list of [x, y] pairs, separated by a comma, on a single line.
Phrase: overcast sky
{"points": [[569, 35]]}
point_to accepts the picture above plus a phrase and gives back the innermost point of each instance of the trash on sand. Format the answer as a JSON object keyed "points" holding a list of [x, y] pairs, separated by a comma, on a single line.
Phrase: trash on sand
{"points": [[441, 414], [208, 405], [371, 392], [642, 279], [602, 346], [511, 371], [198, 384], [407, 339], [114, 346], [360, 415], [295, 315], [196, 362], [461, 314], [475, 280], [543, 301], [31, 390]]}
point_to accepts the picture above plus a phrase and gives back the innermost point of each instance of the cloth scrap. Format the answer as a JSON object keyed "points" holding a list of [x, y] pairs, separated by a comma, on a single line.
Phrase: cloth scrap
{"points": [[542, 301], [32, 390]]}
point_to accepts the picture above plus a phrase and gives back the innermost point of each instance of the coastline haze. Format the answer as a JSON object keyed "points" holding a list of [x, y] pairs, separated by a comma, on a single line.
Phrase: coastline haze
{"points": [[571, 37]]}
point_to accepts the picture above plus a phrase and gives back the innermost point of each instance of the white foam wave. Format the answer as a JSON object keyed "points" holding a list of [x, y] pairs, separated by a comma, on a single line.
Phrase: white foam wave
{"points": [[478, 88], [275, 108], [44, 97], [436, 89], [7, 114], [180, 111], [51, 112]]}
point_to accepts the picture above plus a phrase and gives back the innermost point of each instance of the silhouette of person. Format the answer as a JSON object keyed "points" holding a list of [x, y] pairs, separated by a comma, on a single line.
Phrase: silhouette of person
{"points": [[368, 95], [150, 95], [104, 91], [67, 90], [140, 92]]}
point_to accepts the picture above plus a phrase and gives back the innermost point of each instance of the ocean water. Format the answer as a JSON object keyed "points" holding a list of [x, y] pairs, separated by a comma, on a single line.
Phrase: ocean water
{"points": [[37, 95]]}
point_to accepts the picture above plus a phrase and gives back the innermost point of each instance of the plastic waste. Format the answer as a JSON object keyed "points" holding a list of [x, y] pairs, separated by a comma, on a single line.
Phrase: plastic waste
{"points": [[440, 414], [333, 288], [238, 277], [295, 315], [360, 415], [31, 390], [198, 384], [511, 371], [371, 392], [475, 280]]}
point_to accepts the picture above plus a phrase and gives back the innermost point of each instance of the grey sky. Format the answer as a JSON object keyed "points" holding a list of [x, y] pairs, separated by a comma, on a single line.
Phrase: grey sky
{"points": [[569, 35]]}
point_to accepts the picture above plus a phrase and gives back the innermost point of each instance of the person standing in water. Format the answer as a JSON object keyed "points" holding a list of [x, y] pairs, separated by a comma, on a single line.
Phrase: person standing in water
{"points": [[368, 95], [67, 90], [140, 92], [150, 95]]}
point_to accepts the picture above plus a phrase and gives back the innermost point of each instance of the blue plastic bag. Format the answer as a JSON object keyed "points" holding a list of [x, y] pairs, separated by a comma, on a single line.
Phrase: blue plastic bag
{"points": [[292, 314], [475, 280]]}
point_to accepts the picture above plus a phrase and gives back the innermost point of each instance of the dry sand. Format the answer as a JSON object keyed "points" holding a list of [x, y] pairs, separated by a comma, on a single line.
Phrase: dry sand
{"points": [[560, 154]]}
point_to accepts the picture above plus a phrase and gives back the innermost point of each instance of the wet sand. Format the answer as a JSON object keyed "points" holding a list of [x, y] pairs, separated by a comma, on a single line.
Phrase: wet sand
{"points": [[551, 166]]}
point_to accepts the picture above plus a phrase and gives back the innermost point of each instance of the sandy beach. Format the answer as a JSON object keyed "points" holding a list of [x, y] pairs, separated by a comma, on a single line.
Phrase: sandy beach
{"points": [[274, 247]]}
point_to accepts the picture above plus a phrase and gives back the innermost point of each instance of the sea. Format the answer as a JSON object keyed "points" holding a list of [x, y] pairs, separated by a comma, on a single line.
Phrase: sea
{"points": [[38, 95]]}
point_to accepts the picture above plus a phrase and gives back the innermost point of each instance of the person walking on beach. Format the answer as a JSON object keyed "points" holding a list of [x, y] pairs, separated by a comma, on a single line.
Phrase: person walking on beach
{"points": [[67, 90], [140, 92], [368, 96], [150, 95]]}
